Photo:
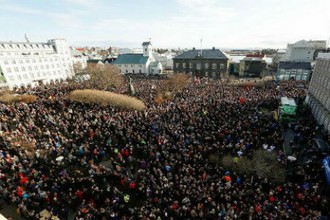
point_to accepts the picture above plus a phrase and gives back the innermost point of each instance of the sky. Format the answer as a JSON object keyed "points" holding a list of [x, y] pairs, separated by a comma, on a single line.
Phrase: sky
{"points": [[235, 24]]}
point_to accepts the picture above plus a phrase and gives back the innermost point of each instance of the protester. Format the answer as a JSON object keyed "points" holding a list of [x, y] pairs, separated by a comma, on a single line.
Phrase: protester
{"points": [[110, 163]]}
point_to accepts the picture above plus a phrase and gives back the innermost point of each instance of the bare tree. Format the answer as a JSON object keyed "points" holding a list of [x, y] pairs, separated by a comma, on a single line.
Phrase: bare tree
{"points": [[104, 76]]}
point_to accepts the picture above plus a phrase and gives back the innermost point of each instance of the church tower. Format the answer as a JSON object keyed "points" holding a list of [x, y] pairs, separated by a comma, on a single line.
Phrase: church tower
{"points": [[147, 49]]}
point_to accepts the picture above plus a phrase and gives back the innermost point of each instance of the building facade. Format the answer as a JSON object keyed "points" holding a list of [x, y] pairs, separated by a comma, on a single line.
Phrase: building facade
{"points": [[318, 96], [79, 60], [201, 63], [253, 65], [139, 63], [294, 71], [29, 64], [303, 51]]}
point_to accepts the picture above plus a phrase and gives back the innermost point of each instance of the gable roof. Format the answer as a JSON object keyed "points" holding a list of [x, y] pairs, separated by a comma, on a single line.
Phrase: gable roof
{"points": [[131, 58], [206, 54], [147, 43], [295, 65]]}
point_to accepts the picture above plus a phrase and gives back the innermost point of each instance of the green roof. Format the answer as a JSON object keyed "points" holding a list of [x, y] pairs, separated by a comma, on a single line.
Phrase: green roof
{"points": [[131, 58]]}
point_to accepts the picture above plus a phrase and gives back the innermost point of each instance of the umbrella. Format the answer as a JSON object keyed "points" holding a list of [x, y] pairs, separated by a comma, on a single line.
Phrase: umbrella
{"points": [[60, 158], [292, 158]]}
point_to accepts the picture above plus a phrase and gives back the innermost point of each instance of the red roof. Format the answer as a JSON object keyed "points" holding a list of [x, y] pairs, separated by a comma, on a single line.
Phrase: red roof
{"points": [[80, 48], [256, 55]]}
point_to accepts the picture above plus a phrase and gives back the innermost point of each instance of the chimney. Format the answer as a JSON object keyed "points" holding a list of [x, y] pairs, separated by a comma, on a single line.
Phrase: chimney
{"points": [[213, 48], [193, 48]]}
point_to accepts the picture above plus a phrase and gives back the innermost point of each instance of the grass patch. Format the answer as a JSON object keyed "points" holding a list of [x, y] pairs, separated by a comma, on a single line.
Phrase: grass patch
{"points": [[105, 98], [9, 98]]}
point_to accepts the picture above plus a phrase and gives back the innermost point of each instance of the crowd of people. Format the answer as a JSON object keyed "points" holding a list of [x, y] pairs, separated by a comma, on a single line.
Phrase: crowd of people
{"points": [[94, 162]]}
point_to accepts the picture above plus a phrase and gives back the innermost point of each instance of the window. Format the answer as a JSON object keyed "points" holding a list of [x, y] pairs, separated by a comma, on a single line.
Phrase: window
{"points": [[206, 66], [27, 61], [34, 60], [16, 69], [13, 62], [5, 62], [38, 74], [30, 68], [183, 65], [36, 68], [23, 68], [20, 61], [58, 65], [11, 78], [8, 70], [214, 66], [25, 76], [19, 77], [47, 66], [177, 65], [222, 66], [190, 65], [198, 66]]}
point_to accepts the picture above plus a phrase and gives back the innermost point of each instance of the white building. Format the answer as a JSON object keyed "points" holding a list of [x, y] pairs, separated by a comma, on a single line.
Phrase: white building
{"points": [[165, 59], [139, 63], [303, 51], [79, 60], [318, 93], [28, 64]]}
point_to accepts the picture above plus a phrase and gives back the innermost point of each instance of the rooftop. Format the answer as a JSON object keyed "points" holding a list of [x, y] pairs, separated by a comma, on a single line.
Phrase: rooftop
{"points": [[131, 58], [295, 65], [205, 54]]}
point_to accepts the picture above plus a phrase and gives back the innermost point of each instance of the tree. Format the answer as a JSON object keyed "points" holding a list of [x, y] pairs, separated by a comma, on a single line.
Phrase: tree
{"points": [[171, 86], [263, 164], [104, 76]]}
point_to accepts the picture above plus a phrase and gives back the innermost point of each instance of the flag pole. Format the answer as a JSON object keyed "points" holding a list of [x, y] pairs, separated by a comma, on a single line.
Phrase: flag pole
{"points": [[201, 46]]}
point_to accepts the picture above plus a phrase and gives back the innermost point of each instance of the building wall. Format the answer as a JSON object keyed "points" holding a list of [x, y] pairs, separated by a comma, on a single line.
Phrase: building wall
{"points": [[26, 64], [296, 74], [132, 68], [80, 61], [201, 67], [319, 92], [301, 54]]}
